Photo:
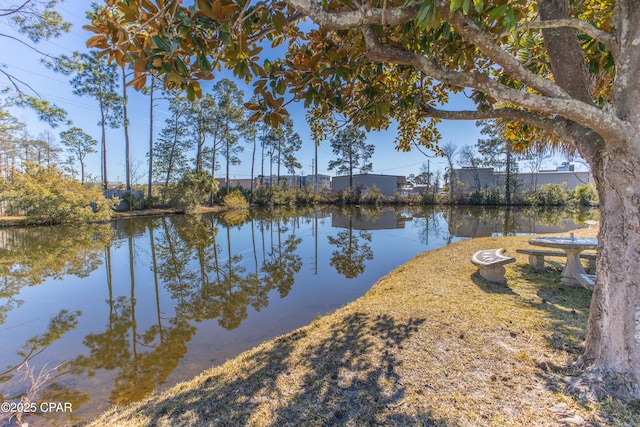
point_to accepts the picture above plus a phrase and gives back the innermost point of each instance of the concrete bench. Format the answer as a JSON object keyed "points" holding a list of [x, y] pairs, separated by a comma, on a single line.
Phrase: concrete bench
{"points": [[588, 281], [536, 257], [491, 264]]}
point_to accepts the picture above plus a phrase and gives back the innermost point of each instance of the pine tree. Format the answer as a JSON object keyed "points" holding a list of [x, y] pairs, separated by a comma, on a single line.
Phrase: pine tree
{"points": [[95, 77], [78, 144], [174, 141], [352, 151]]}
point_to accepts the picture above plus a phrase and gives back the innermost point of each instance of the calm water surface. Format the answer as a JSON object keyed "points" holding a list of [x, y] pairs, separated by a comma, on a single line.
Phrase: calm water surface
{"points": [[97, 315]]}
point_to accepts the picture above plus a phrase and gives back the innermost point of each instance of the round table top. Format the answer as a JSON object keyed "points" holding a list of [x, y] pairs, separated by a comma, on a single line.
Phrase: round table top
{"points": [[565, 242]]}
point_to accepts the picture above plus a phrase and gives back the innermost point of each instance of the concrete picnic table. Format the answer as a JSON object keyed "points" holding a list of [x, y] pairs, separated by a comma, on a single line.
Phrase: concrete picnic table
{"points": [[572, 246]]}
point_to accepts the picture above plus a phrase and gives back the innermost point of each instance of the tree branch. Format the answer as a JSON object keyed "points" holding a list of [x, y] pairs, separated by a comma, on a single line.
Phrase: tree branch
{"points": [[472, 33], [270, 28], [606, 124], [344, 19], [13, 11], [557, 125], [347, 18], [27, 45], [595, 33], [16, 82]]}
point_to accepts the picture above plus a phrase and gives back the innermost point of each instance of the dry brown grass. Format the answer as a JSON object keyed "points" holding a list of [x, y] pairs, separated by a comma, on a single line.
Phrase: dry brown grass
{"points": [[432, 343]]}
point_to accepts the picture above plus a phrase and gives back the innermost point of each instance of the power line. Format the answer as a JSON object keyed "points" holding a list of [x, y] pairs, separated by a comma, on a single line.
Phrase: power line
{"points": [[399, 167]]}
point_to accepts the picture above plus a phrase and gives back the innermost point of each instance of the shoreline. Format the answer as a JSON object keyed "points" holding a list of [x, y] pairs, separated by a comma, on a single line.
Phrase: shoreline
{"points": [[429, 343], [21, 221]]}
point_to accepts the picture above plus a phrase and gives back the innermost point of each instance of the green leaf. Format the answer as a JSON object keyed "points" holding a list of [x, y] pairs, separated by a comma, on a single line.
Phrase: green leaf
{"points": [[427, 17], [279, 21], [191, 94], [455, 5], [478, 5], [511, 22], [181, 67], [466, 5], [497, 12], [162, 45], [225, 37]]}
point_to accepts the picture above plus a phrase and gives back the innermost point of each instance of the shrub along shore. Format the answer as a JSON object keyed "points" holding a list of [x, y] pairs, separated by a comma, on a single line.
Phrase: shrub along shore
{"points": [[431, 343]]}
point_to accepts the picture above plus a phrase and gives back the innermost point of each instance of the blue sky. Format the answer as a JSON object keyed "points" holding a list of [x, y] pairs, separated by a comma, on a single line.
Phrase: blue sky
{"points": [[83, 112]]}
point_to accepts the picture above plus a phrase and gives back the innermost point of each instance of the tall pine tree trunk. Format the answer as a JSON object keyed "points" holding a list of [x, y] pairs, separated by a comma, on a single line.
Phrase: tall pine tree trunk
{"points": [[200, 143], [151, 108], [253, 163], [127, 143], [103, 147]]}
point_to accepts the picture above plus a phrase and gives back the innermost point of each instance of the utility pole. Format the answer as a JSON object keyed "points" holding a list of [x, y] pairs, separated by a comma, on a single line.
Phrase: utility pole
{"points": [[428, 174], [313, 174]]}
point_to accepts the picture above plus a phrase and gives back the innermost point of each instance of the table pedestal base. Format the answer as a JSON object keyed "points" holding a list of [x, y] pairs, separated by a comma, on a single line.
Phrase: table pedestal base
{"points": [[573, 268]]}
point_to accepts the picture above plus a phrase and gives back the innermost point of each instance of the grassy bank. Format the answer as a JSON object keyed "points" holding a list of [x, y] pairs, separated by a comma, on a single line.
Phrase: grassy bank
{"points": [[431, 343]]}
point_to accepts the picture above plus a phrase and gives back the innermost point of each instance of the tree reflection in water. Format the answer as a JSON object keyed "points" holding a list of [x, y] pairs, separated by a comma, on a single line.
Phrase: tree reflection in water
{"points": [[352, 249], [204, 281], [281, 263], [29, 257]]}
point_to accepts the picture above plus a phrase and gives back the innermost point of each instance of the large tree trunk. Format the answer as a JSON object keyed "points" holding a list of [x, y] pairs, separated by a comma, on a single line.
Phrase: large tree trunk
{"points": [[612, 348]]}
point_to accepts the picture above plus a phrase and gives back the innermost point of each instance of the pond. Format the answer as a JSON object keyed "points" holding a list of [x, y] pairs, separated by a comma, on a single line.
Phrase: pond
{"points": [[97, 315]]}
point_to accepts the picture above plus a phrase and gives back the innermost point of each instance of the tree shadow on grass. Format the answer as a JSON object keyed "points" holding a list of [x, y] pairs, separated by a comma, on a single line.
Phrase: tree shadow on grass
{"points": [[347, 378], [567, 306], [568, 309]]}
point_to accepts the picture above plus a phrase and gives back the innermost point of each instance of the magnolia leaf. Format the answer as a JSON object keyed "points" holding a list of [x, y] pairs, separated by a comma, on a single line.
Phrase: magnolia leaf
{"points": [[254, 117], [279, 21], [252, 106], [225, 37], [97, 42], [191, 94], [497, 12], [181, 67], [162, 45], [466, 5], [140, 64], [139, 82], [205, 7], [149, 6], [511, 22]]}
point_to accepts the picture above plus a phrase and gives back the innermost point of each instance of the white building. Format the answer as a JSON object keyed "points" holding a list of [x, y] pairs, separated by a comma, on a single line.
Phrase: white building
{"points": [[471, 179]]}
